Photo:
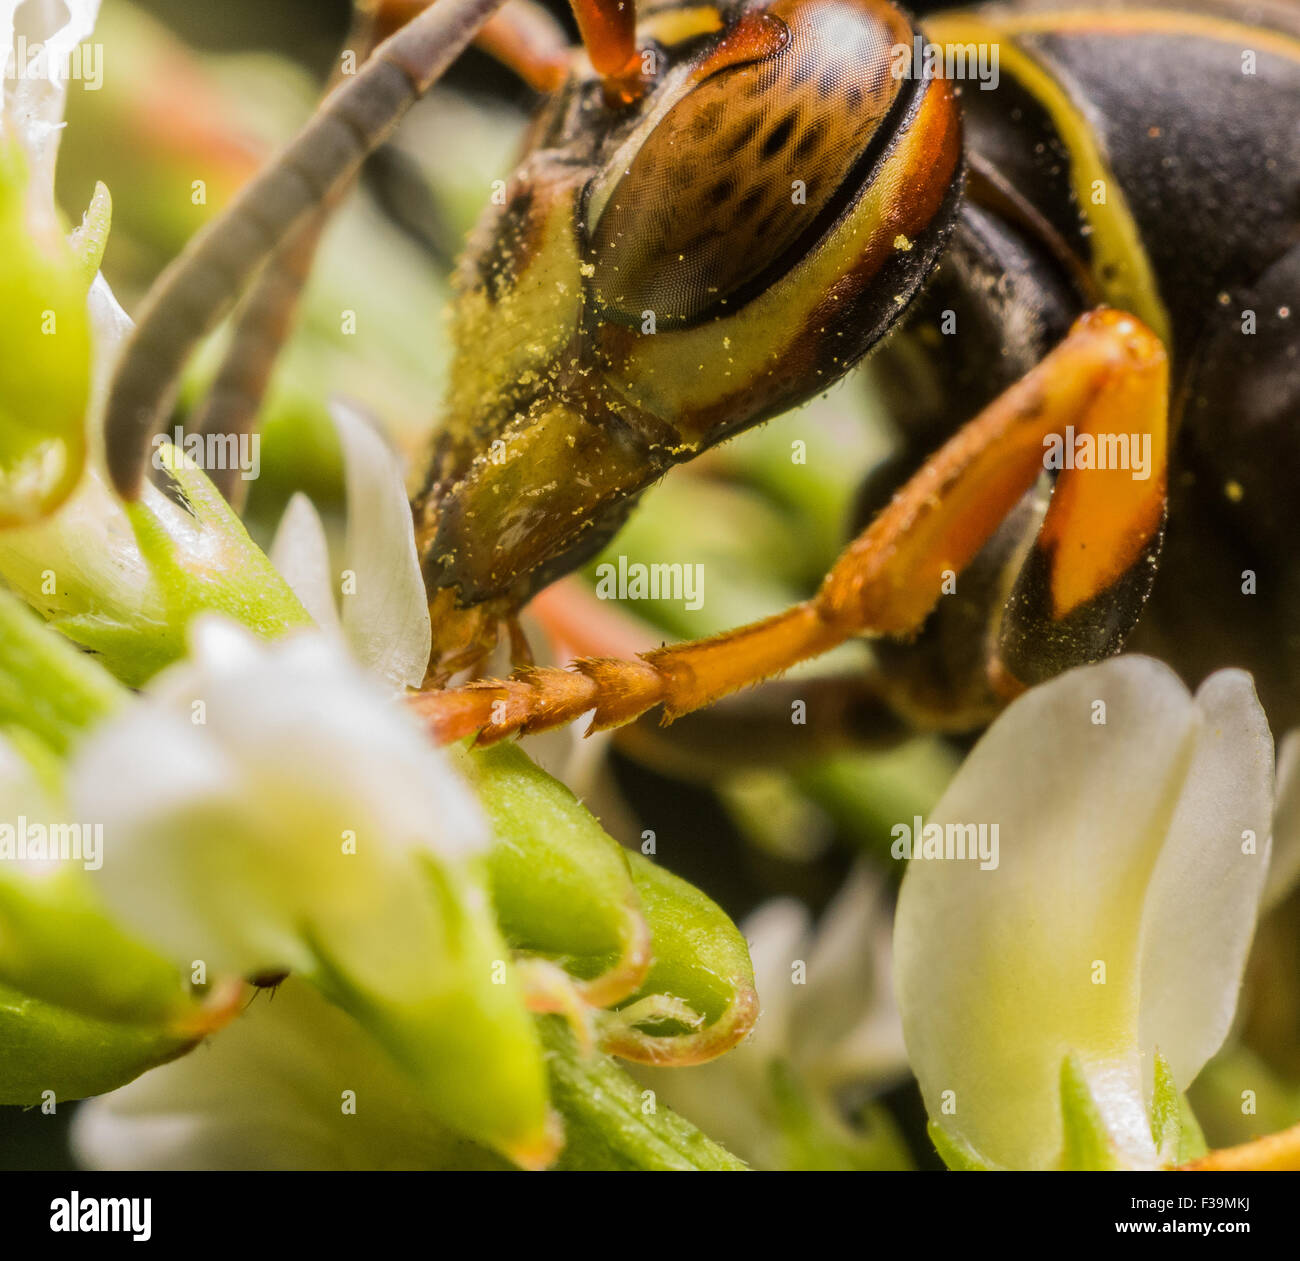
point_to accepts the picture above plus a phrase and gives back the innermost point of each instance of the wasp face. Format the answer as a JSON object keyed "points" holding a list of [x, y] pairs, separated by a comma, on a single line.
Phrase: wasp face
{"points": [[663, 275]]}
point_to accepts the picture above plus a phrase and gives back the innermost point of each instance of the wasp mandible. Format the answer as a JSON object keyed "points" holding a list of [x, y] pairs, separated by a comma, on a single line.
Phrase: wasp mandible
{"points": [[721, 209]]}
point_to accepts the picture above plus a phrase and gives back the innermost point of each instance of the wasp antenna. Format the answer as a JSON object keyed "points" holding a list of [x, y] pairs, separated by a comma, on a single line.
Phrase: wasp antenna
{"points": [[261, 328], [266, 315], [200, 286]]}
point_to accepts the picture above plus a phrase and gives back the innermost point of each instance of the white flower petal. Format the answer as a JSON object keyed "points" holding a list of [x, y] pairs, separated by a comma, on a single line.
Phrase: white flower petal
{"points": [[779, 932], [847, 1027], [998, 972], [1284, 866], [33, 101], [227, 796], [300, 551], [387, 617], [110, 326], [1200, 907], [266, 1094]]}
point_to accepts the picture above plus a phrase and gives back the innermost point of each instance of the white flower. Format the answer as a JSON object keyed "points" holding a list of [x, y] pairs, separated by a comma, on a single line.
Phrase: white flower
{"points": [[1284, 869], [262, 799], [33, 94], [1134, 838], [373, 590], [32, 100], [270, 1093], [271, 808], [827, 1015]]}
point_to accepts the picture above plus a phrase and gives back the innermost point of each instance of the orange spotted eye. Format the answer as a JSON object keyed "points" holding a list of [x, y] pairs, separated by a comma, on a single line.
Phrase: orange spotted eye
{"points": [[725, 186]]}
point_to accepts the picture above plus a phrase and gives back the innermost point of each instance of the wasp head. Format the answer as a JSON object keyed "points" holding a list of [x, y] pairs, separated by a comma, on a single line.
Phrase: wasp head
{"points": [[659, 275]]}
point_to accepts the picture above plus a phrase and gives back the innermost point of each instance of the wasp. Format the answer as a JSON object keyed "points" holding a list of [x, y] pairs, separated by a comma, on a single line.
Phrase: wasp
{"points": [[1069, 231]]}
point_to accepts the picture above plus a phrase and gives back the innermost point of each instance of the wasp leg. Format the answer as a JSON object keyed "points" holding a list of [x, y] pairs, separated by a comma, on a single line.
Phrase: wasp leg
{"points": [[608, 29], [526, 39], [1111, 370], [521, 653], [848, 709], [523, 37], [200, 286]]}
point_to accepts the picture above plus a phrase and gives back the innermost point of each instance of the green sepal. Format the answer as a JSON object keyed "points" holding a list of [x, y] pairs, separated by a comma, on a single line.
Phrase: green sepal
{"points": [[700, 959], [560, 883], [957, 1153], [47, 687], [243, 584], [562, 886], [814, 1139], [58, 945], [124, 581], [468, 1043], [1174, 1127], [49, 1049], [45, 368], [1088, 1144], [90, 239], [613, 1123]]}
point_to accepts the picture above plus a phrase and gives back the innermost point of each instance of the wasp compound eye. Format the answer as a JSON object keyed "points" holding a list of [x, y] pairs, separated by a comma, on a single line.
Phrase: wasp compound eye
{"points": [[733, 182]]}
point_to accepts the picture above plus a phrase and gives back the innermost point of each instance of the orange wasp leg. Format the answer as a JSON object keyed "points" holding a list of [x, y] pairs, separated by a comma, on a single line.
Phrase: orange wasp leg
{"points": [[523, 37], [526, 39], [1110, 371], [848, 708], [608, 29], [1276, 1152]]}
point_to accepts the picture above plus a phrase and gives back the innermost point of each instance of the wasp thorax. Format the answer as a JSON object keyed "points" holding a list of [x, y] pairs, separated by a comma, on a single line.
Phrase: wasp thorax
{"points": [[726, 188]]}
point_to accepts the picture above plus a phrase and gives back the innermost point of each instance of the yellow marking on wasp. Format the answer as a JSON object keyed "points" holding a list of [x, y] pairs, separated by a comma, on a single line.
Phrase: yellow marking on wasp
{"points": [[679, 25], [1120, 262], [1136, 21]]}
